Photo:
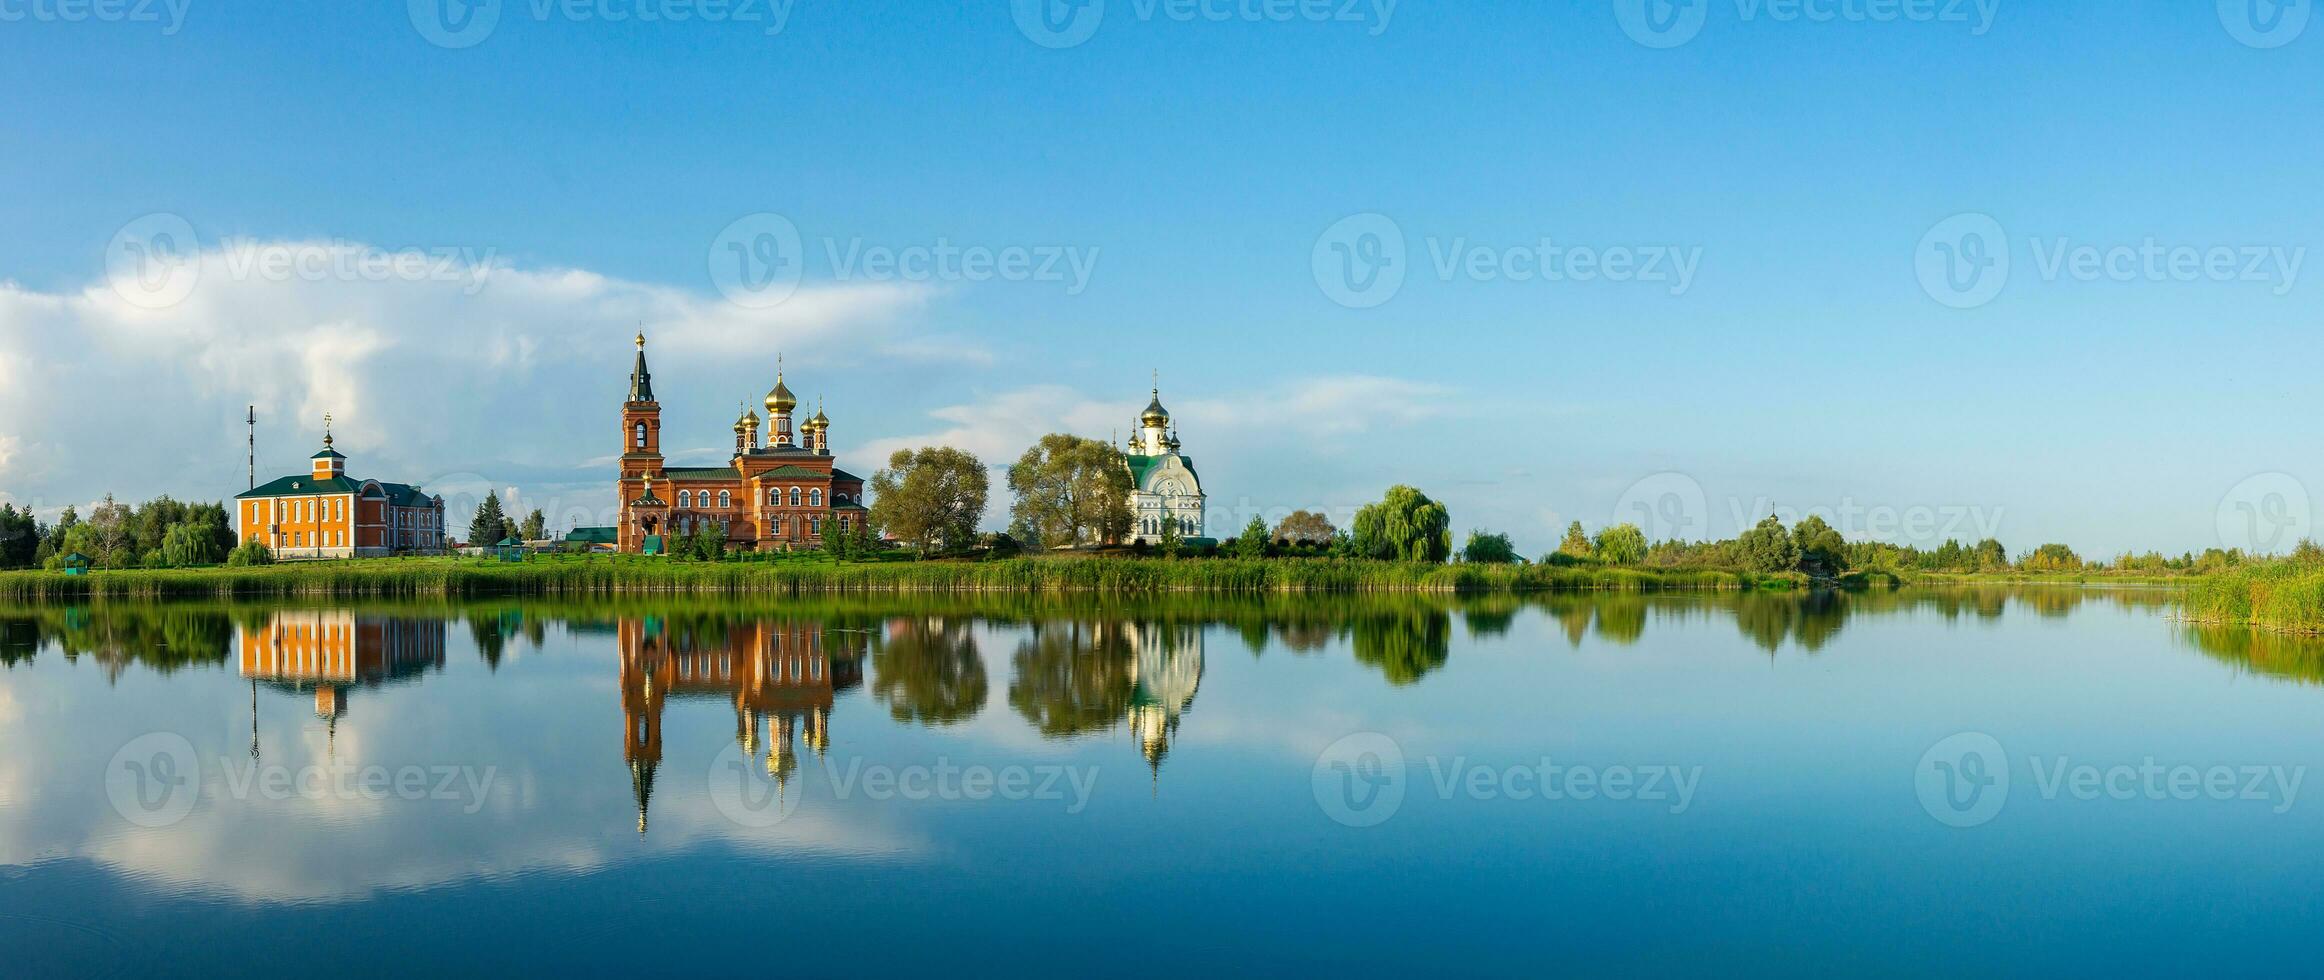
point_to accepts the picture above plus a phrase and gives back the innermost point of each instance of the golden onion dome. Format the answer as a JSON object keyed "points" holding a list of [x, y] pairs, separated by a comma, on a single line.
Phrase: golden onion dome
{"points": [[1155, 414], [780, 401]]}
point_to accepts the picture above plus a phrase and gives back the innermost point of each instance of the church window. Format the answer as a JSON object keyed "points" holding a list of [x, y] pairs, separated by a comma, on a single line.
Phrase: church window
{"points": [[775, 497], [843, 525], [794, 496], [641, 435], [685, 498], [814, 498], [815, 525], [725, 499]]}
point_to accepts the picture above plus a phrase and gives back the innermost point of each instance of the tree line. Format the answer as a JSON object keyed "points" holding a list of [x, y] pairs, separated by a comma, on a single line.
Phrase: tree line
{"points": [[160, 533]]}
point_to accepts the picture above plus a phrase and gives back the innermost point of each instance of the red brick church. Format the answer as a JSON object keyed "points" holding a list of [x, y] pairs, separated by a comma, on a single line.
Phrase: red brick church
{"points": [[780, 495]]}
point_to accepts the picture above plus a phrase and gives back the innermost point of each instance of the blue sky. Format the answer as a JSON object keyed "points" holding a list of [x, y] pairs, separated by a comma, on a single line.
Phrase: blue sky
{"points": [[1199, 167]]}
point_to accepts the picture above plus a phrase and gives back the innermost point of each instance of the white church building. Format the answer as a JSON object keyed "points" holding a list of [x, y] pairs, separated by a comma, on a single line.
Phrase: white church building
{"points": [[1163, 487]]}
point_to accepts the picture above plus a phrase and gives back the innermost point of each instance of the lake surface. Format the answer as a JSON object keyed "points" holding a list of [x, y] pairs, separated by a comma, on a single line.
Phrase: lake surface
{"points": [[2013, 781]]}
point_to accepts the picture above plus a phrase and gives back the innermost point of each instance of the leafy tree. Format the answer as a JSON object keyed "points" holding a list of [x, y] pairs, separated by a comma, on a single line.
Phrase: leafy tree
{"points": [[56, 532], [1576, 543], [1252, 543], [19, 537], [1622, 544], [1070, 490], [932, 497], [252, 552], [1488, 548], [2051, 558], [1404, 526], [1171, 542], [534, 528], [1768, 547], [1990, 556], [187, 544], [1821, 549], [489, 524], [1305, 527]]}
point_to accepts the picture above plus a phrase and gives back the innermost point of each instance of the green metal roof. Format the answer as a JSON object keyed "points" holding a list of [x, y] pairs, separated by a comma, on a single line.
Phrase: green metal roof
{"points": [[592, 535], [301, 485], [327, 453], [1142, 465], [792, 473], [676, 473], [840, 474]]}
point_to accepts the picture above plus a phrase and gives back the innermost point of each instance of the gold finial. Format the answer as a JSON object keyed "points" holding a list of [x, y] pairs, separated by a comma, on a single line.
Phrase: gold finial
{"points": [[641, 340]]}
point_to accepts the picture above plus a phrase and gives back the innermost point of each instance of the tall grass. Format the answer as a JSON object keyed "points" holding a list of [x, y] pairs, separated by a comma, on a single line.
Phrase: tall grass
{"points": [[2278, 595], [622, 575]]}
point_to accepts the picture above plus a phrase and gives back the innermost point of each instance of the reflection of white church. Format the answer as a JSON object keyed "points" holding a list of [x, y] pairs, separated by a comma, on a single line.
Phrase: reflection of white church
{"points": [[1163, 487], [1163, 678]]}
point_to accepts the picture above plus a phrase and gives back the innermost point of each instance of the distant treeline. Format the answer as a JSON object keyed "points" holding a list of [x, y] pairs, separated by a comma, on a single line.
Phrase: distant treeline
{"points": [[162, 533]]}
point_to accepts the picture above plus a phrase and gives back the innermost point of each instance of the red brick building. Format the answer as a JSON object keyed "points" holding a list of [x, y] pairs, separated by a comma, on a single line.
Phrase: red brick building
{"points": [[782, 494]]}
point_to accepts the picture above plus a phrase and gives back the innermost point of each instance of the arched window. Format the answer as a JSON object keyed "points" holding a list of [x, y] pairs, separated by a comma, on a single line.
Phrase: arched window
{"points": [[815, 525], [725, 499], [774, 496], [843, 524], [794, 496], [814, 498], [641, 435], [685, 498]]}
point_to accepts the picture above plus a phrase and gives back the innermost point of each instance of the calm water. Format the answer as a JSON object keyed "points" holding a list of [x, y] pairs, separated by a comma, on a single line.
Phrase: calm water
{"points": [[2010, 781]]}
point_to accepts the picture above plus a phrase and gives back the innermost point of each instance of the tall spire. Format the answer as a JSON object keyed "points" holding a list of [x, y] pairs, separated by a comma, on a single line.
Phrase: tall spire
{"points": [[641, 381]]}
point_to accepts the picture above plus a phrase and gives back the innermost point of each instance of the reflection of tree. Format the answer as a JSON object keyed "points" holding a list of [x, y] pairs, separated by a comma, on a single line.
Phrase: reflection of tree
{"points": [[928, 671], [1621, 618], [2283, 655], [1072, 678], [162, 638], [1573, 618], [1490, 616], [491, 638], [1766, 618], [1404, 643]]}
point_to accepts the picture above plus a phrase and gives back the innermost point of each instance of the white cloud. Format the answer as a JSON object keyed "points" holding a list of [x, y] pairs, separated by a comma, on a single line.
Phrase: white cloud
{"points": [[467, 362]]}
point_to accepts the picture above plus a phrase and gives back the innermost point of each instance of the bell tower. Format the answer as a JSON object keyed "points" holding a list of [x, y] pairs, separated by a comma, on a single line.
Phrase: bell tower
{"points": [[641, 422]]}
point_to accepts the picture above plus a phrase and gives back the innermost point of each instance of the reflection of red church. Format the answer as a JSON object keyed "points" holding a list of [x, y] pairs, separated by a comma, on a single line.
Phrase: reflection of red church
{"points": [[781, 677], [332, 651]]}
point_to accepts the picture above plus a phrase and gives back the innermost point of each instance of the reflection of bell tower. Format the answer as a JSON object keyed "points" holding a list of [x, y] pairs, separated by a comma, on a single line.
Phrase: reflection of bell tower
{"points": [[779, 673], [641, 707]]}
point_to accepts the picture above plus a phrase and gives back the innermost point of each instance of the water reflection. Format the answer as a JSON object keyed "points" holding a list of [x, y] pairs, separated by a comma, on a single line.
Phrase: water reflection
{"points": [[781, 676], [901, 677]]}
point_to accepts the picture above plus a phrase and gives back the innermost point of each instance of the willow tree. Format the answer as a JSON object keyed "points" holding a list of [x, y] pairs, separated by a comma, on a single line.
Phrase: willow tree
{"points": [[1404, 526]]}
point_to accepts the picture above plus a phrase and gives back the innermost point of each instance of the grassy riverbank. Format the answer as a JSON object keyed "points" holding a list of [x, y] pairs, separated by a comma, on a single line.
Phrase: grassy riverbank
{"points": [[2287, 596], [619, 575]]}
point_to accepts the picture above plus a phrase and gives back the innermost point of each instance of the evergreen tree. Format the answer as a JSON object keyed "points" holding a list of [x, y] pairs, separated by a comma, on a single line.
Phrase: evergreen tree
{"points": [[1252, 543], [535, 527], [1576, 543], [489, 525]]}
